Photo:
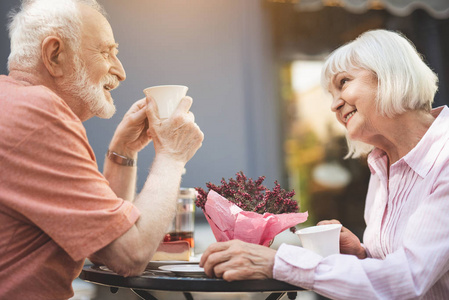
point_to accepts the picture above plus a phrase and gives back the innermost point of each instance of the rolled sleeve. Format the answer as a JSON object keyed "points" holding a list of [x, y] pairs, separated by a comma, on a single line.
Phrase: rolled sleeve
{"points": [[296, 265], [119, 223]]}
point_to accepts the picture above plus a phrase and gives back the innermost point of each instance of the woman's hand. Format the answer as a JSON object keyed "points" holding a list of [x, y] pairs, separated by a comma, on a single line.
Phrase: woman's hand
{"points": [[237, 260], [349, 242]]}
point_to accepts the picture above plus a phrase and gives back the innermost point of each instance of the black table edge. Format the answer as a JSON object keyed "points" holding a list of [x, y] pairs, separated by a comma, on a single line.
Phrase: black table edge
{"points": [[183, 284]]}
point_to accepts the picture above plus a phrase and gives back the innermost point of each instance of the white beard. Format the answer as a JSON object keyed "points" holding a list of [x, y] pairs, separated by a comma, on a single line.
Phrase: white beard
{"points": [[93, 96]]}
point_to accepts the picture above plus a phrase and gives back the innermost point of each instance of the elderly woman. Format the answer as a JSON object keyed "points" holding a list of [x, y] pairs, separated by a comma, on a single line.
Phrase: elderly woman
{"points": [[382, 93]]}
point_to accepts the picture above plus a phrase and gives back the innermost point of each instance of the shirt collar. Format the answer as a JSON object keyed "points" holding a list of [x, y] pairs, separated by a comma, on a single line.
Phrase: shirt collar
{"points": [[376, 159], [423, 156]]}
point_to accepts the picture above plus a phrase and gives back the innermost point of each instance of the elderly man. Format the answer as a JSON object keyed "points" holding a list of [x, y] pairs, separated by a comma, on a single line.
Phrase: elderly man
{"points": [[56, 208]]}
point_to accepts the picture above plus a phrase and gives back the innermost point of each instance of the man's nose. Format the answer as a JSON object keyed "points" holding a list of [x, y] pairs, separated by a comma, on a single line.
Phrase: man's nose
{"points": [[118, 70]]}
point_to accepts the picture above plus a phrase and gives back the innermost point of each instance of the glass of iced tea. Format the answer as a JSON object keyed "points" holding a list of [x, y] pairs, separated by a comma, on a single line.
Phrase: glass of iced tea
{"points": [[183, 224]]}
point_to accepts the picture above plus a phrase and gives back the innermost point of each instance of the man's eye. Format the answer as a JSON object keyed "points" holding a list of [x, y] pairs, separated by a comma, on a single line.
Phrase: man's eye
{"points": [[105, 54]]}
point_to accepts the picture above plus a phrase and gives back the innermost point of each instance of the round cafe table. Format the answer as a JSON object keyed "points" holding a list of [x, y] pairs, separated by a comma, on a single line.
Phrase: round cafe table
{"points": [[155, 280]]}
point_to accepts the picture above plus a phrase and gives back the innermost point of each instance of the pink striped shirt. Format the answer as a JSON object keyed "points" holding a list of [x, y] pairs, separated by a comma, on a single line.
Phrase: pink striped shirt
{"points": [[407, 234]]}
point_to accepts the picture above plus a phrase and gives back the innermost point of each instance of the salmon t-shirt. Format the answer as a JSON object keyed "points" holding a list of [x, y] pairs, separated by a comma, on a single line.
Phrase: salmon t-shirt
{"points": [[56, 208]]}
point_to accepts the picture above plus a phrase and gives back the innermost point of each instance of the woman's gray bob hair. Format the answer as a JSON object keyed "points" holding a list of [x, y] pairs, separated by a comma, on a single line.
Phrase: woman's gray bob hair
{"points": [[405, 82]]}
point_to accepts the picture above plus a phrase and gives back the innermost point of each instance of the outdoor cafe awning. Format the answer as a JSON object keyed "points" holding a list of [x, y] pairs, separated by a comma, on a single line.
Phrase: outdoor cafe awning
{"points": [[438, 9]]}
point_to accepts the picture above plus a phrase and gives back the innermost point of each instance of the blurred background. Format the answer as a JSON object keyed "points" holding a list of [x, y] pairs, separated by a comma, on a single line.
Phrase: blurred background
{"points": [[253, 71]]}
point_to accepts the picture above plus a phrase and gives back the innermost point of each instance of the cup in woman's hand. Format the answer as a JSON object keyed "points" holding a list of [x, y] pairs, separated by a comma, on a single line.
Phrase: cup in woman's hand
{"points": [[322, 239]]}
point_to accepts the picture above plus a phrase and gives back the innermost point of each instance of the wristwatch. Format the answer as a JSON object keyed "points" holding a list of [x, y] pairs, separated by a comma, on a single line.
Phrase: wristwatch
{"points": [[121, 159]]}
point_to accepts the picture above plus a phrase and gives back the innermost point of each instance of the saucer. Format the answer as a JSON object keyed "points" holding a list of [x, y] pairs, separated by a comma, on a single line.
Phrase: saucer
{"points": [[189, 270]]}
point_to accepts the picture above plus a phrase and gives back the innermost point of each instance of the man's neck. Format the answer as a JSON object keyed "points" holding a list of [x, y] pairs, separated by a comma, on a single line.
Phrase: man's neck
{"points": [[27, 77], [41, 77]]}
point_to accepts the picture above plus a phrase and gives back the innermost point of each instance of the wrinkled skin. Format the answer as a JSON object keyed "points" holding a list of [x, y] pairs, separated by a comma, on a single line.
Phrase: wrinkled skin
{"points": [[178, 137], [131, 134], [237, 260]]}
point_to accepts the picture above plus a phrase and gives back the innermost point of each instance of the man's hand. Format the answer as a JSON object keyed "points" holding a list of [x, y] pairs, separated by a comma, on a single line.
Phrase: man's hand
{"points": [[177, 137], [349, 242], [237, 260], [131, 134]]}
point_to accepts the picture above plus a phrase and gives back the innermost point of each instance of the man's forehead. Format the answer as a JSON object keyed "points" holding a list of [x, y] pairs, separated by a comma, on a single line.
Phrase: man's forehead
{"points": [[92, 18], [99, 39], [96, 28]]}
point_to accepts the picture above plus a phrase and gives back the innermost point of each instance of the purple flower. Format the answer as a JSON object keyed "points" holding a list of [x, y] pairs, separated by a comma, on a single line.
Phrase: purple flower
{"points": [[251, 195]]}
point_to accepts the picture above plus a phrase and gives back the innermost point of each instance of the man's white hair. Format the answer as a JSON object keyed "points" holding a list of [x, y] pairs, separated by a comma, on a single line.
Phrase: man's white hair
{"points": [[38, 19]]}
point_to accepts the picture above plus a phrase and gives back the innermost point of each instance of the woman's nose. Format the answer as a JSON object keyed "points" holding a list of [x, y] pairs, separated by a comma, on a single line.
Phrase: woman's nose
{"points": [[337, 103]]}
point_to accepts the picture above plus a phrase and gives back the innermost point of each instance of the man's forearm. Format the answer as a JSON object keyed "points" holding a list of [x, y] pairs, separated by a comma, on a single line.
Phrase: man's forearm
{"points": [[129, 254], [157, 200], [122, 179]]}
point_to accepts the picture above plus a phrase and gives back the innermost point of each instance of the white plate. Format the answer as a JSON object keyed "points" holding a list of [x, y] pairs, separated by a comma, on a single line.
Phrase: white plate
{"points": [[191, 270]]}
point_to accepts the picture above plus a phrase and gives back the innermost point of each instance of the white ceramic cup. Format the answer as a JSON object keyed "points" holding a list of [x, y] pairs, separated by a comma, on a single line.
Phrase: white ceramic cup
{"points": [[167, 97], [323, 239]]}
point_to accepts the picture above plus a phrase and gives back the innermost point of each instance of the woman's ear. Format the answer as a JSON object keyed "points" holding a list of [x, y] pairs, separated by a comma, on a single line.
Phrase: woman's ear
{"points": [[54, 55]]}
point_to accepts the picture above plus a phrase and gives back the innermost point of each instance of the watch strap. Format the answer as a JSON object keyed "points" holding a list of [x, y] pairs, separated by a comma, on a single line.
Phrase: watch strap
{"points": [[121, 159]]}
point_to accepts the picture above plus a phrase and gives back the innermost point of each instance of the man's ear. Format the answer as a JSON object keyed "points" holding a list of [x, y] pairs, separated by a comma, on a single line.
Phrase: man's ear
{"points": [[54, 55]]}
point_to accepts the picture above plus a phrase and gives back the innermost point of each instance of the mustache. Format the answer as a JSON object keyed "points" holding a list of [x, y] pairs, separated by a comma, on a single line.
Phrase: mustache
{"points": [[111, 81]]}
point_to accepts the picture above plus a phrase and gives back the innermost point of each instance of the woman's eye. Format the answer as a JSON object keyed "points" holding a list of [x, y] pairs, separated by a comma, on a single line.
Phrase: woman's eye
{"points": [[343, 81]]}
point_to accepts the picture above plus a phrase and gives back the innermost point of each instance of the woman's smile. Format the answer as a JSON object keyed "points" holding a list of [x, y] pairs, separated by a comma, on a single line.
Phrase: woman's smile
{"points": [[349, 116]]}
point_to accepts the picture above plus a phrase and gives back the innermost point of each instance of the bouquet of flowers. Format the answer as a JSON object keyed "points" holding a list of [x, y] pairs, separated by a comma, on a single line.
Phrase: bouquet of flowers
{"points": [[245, 209]]}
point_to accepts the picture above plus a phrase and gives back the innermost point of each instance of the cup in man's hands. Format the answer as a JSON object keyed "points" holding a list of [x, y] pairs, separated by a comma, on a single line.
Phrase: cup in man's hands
{"points": [[322, 239], [167, 97]]}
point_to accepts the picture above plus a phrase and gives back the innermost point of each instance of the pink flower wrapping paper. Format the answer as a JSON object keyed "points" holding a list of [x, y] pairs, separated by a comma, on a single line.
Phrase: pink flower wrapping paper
{"points": [[229, 222]]}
